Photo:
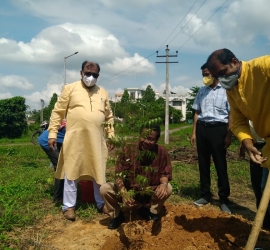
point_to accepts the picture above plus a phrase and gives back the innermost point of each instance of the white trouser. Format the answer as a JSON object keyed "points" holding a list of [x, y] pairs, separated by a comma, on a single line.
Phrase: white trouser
{"points": [[70, 194]]}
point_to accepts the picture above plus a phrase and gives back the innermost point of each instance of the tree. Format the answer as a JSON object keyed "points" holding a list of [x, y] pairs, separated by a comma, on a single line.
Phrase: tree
{"points": [[12, 117], [149, 95], [46, 111], [125, 97], [52, 102], [190, 101]]}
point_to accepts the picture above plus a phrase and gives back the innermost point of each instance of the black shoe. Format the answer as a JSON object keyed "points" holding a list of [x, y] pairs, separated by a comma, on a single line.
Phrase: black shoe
{"points": [[147, 215], [117, 221]]}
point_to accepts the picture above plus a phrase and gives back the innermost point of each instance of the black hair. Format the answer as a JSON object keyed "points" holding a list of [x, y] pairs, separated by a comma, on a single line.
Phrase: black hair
{"points": [[153, 128], [224, 56], [204, 66], [83, 64]]}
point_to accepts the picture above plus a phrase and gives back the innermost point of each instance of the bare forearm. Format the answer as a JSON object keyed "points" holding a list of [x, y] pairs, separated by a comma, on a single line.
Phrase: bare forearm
{"points": [[164, 180], [120, 185]]}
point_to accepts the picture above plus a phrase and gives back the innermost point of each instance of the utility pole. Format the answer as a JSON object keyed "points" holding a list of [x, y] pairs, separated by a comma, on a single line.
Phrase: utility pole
{"points": [[41, 110], [166, 140]]}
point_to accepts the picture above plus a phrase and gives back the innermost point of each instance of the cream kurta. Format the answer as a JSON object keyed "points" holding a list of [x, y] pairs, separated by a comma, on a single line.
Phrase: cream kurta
{"points": [[84, 152]]}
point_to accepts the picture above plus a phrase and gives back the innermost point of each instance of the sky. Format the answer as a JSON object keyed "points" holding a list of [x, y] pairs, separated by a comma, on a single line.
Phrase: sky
{"points": [[123, 37]]}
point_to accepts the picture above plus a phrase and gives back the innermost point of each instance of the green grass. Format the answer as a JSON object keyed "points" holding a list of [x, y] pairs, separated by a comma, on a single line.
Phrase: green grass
{"points": [[24, 138], [26, 189], [26, 184], [186, 176]]}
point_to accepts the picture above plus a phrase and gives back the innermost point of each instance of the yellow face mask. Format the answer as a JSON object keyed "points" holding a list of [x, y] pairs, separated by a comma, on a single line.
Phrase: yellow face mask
{"points": [[208, 80]]}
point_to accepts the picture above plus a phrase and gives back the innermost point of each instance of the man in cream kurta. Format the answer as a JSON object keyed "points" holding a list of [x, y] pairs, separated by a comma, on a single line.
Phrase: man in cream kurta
{"points": [[84, 152]]}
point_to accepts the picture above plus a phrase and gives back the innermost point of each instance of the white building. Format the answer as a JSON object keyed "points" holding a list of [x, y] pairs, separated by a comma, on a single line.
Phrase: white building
{"points": [[179, 102]]}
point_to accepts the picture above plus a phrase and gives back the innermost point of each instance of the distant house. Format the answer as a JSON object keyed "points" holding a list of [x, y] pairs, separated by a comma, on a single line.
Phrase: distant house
{"points": [[177, 101], [29, 119]]}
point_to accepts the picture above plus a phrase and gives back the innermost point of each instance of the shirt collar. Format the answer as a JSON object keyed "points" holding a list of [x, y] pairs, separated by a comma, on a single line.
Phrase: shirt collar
{"points": [[218, 86]]}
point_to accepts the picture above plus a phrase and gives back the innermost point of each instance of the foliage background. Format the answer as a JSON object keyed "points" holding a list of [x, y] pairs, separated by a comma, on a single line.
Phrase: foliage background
{"points": [[12, 117], [135, 112]]}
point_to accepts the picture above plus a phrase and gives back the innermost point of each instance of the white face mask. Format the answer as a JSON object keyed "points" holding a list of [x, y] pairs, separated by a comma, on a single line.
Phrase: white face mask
{"points": [[89, 81]]}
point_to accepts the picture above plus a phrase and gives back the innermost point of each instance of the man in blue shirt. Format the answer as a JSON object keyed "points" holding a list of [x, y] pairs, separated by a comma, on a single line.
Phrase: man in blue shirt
{"points": [[210, 131], [53, 156]]}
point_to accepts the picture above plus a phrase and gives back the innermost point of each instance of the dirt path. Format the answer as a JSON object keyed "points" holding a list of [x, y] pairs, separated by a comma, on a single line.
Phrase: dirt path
{"points": [[177, 129]]}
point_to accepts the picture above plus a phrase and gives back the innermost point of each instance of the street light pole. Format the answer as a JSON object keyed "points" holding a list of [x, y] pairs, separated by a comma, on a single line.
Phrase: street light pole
{"points": [[65, 65]]}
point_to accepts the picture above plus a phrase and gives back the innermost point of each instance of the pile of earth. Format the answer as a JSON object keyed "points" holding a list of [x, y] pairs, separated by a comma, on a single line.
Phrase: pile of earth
{"points": [[183, 227], [186, 227]]}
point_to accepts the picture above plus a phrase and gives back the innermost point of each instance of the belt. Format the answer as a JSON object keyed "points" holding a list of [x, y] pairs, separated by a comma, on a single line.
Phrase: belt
{"points": [[211, 124]]}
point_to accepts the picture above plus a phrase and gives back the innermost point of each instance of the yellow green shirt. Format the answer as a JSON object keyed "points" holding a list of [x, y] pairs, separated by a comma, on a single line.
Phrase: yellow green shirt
{"points": [[250, 100]]}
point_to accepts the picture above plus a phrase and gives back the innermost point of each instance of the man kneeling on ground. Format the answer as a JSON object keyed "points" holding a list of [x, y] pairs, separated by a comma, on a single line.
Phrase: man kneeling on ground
{"points": [[142, 179]]}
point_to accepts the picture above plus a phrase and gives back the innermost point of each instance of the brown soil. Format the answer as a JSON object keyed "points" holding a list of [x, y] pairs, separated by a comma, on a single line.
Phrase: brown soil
{"points": [[186, 227], [182, 226]]}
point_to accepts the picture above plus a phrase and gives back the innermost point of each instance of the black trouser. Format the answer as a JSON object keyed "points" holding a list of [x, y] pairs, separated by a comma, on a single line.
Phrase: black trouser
{"points": [[210, 141], [58, 184], [256, 180]]}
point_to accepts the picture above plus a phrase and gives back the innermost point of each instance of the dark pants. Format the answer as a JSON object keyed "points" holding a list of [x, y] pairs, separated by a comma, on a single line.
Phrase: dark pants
{"points": [[58, 184], [210, 141], [256, 181]]}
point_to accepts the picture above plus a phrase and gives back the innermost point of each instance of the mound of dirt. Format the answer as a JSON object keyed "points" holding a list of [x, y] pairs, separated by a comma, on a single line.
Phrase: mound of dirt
{"points": [[182, 226], [186, 227]]}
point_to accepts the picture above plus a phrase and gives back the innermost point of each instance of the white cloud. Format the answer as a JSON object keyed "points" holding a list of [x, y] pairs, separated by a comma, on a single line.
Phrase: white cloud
{"points": [[5, 95], [136, 64], [14, 81], [120, 34], [236, 25], [56, 42], [53, 86]]}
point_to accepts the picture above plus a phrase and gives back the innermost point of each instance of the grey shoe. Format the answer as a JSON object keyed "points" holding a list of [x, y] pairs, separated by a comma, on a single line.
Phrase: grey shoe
{"points": [[224, 208], [201, 202]]}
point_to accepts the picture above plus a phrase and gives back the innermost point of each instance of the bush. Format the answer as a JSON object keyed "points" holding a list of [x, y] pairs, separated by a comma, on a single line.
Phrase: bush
{"points": [[12, 117]]}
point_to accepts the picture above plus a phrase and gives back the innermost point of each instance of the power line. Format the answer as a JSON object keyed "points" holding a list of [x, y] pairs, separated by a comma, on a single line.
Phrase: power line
{"points": [[202, 25], [125, 69], [188, 21], [119, 73], [177, 25]]}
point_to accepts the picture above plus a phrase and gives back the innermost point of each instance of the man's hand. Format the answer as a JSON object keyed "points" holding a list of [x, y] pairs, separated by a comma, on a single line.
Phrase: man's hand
{"points": [[241, 151], [161, 191], [227, 141], [193, 140], [128, 201], [52, 143], [254, 154]]}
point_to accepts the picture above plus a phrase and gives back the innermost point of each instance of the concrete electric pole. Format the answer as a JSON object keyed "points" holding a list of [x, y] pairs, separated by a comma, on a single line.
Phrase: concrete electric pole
{"points": [[41, 109], [166, 140]]}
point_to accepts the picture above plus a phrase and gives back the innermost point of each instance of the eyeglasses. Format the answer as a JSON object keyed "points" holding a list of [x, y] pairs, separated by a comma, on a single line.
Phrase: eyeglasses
{"points": [[95, 75]]}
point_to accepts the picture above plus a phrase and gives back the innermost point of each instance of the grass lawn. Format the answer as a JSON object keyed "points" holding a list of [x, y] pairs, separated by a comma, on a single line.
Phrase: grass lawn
{"points": [[26, 185]]}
